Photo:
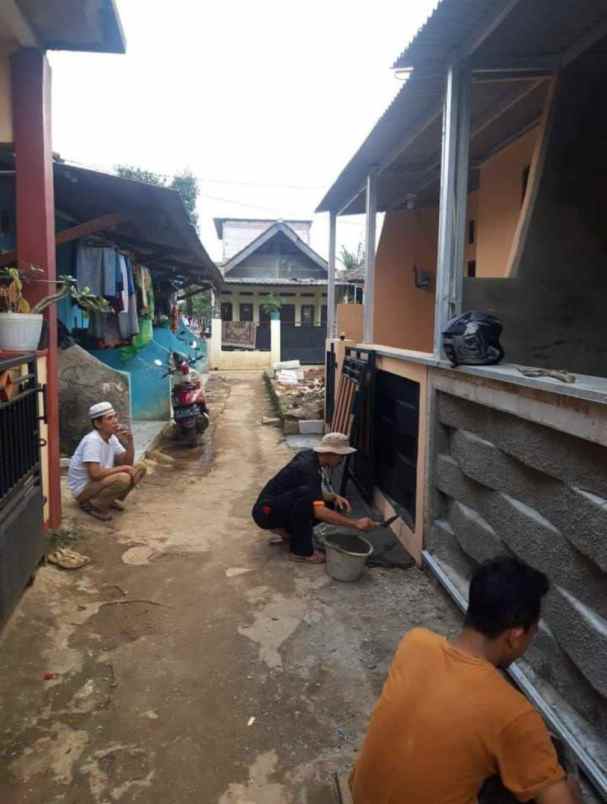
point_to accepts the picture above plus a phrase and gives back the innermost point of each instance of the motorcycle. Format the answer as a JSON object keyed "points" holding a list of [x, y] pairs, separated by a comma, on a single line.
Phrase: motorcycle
{"points": [[190, 410]]}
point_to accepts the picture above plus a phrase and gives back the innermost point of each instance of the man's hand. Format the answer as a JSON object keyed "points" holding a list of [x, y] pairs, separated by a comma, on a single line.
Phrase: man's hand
{"points": [[342, 504], [126, 434], [565, 792], [364, 523]]}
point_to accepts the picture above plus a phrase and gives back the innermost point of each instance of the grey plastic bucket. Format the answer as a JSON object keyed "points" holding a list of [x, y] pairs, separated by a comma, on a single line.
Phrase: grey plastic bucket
{"points": [[347, 554]]}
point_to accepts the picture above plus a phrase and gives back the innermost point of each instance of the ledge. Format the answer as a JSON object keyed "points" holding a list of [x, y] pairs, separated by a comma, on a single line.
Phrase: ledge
{"points": [[586, 387]]}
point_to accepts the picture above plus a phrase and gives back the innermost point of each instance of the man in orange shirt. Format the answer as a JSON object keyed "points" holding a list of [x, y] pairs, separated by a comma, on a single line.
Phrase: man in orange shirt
{"points": [[447, 719]]}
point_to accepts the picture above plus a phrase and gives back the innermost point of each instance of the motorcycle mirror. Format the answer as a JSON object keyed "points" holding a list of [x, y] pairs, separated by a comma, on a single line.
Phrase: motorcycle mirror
{"points": [[157, 362]]}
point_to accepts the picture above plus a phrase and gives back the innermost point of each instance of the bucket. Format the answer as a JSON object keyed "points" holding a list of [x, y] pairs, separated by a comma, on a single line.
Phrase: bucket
{"points": [[347, 554], [20, 332]]}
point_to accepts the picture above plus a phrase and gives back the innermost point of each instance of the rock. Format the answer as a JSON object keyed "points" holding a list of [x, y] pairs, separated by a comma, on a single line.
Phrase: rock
{"points": [[84, 380]]}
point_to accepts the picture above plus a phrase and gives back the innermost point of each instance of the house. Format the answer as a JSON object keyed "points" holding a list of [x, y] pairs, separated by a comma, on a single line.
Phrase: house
{"points": [[30, 492], [272, 261], [489, 167]]}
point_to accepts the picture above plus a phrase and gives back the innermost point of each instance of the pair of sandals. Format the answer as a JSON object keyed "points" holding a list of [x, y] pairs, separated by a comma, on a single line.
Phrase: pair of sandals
{"points": [[316, 558], [103, 516]]}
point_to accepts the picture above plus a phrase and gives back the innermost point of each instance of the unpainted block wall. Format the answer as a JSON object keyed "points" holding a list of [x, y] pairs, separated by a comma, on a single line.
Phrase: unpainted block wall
{"points": [[505, 485]]}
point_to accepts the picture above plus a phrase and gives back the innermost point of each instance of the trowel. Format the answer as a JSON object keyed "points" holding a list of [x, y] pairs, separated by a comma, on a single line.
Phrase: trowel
{"points": [[387, 522]]}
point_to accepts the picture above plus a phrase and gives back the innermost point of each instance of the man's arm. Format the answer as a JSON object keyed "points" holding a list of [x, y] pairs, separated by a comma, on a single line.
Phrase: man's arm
{"points": [[324, 514], [565, 792], [98, 472], [127, 458]]}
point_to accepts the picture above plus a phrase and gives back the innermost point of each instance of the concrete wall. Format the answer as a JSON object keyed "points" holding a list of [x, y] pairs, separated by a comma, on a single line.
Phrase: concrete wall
{"points": [[553, 308], [504, 484], [499, 201], [349, 319], [404, 314]]}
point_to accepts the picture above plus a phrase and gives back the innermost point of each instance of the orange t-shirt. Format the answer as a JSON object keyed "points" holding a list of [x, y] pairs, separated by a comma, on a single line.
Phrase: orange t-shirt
{"points": [[444, 723]]}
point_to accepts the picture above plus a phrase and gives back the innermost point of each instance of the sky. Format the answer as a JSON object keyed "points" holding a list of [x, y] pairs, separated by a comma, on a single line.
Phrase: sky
{"points": [[265, 102]]}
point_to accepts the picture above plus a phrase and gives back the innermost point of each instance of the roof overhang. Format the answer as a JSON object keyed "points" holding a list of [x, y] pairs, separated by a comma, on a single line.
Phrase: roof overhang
{"points": [[514, 47], [154, 225], [80, 25]]}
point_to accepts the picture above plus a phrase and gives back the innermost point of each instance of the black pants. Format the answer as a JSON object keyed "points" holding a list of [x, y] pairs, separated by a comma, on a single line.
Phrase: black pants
{"points": [[293, 511]]}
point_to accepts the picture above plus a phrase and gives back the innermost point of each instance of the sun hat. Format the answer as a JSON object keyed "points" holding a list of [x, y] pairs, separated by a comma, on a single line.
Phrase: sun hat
{"points": [[100, 409], [337, 443]]}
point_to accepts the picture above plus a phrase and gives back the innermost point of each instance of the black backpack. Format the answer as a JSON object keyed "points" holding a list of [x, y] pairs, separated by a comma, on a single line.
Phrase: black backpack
{"points": [[473, 339]]}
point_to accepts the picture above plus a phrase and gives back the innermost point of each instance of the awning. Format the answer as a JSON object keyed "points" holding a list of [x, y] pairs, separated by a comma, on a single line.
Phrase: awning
{"points": [[87, 25], [153, 223]]}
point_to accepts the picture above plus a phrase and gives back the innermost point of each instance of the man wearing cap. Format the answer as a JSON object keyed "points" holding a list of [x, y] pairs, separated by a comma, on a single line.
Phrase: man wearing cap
{"points": [[295, 499], [101, 472]]}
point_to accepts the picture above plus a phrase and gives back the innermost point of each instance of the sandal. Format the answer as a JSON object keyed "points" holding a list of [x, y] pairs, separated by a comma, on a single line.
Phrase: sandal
{"points": [[315, 558], [89, 508], [67, 559]]}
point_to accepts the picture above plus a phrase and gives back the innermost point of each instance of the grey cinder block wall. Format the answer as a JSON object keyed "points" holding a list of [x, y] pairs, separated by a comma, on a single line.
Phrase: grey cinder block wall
{"points": [[501, 484]]}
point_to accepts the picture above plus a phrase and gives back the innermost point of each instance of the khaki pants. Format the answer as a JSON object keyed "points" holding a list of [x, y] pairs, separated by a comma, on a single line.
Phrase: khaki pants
{"points": [[102, 493]]}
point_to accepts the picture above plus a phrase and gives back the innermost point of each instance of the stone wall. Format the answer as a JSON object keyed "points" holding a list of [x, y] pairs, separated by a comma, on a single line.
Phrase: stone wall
{"points": [[501, 484]]}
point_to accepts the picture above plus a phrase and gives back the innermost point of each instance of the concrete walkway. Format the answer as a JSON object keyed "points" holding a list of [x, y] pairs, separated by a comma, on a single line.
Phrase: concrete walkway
{"points": [[192, 662]]}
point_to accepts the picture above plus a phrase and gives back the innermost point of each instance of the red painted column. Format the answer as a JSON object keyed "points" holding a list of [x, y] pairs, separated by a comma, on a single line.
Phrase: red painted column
{"points": [[31, 90]]}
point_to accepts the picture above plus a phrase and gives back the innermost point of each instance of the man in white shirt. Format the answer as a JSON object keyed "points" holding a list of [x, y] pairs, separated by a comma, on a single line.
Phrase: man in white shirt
{"points": [[102, 471]]}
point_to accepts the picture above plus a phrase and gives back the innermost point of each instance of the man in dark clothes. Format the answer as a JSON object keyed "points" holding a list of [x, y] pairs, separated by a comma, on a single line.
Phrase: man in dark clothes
{"points": [[295, 499]]}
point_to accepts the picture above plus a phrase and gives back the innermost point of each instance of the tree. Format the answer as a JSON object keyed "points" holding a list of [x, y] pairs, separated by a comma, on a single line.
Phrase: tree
{"points": [[352, 259], [185, 183]]}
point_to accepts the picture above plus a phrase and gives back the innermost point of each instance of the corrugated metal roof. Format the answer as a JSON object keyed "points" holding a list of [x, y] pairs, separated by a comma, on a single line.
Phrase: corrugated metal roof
{"points": [[450, 24], [156, 228]]}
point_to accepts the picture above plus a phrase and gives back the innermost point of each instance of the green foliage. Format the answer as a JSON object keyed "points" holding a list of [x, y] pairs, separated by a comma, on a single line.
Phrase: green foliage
{"points": [[201, 304], [271, 304], [185, 183], [187, 186], [11, 292], [352, 259]]}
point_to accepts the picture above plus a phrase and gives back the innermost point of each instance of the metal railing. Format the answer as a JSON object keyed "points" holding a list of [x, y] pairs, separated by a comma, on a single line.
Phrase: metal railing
{"points": [[19, 427]]}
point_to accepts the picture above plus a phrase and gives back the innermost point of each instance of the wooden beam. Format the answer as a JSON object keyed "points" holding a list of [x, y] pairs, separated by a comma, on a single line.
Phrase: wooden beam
{"points": [[67, 235]]}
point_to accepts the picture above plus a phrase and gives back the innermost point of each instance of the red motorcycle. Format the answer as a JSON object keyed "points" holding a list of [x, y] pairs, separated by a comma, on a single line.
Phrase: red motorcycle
{"points": [[190, 409]]}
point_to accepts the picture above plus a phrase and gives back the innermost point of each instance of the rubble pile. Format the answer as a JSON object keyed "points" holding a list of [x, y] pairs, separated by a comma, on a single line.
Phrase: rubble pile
{"points": [[299, 393]]}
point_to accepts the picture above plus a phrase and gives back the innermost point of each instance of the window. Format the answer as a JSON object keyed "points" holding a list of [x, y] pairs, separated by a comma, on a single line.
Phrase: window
{"points": [[307, 315], [226, 311], [246, 312]]}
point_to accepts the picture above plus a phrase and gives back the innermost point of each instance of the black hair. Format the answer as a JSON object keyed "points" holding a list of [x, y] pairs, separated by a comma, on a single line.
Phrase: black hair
{"points": [[505, 593]]}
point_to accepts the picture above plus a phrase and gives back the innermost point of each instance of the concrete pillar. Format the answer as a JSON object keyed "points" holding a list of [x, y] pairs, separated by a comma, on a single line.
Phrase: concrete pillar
{"points": [[31, 92], [275, 337], [215, 344]]}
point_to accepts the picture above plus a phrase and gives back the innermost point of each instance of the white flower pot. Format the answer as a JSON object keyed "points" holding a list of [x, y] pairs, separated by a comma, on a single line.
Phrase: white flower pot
{"points": [[20, 332]]}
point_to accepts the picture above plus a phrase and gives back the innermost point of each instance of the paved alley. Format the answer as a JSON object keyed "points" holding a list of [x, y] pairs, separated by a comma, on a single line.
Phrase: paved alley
{"points": [[190, 661]]}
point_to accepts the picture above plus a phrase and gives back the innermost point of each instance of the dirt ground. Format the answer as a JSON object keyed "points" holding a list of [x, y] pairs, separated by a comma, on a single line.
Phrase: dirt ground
{"points": [[193, 662]]}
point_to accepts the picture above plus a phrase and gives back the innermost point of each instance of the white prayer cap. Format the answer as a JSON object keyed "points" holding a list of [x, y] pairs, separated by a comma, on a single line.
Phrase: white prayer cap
{"points": [[100, 409]]}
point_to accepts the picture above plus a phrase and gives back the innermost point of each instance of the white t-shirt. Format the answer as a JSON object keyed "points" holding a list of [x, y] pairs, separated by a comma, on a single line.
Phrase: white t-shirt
{"points": [[92, 449]]}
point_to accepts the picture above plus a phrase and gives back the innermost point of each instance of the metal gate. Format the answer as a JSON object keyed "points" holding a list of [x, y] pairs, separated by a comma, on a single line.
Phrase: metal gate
{"points": [[330, 370], [306, 344], [359, 369], [21, 501]]}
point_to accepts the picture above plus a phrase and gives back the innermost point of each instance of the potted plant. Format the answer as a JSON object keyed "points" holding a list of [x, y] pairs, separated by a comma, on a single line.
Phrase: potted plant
{"points": [[20, 324], [271, 305]]}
